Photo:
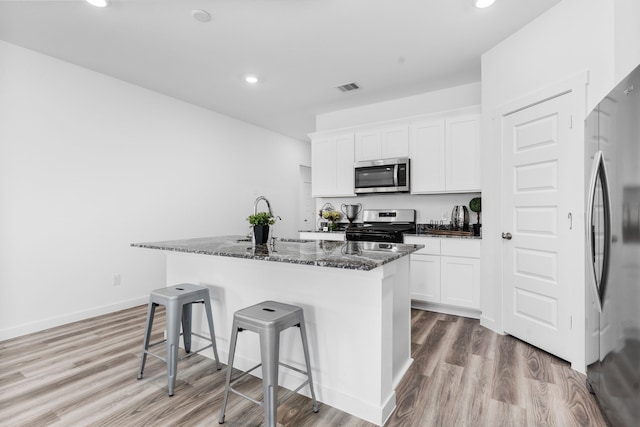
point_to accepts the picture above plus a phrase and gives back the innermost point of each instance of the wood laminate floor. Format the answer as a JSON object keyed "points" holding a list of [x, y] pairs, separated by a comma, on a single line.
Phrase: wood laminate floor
{"points": [[84, 374]]}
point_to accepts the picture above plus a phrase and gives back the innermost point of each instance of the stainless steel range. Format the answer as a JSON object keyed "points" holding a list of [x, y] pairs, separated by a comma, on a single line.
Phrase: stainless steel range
{"points": [[383, 225]]}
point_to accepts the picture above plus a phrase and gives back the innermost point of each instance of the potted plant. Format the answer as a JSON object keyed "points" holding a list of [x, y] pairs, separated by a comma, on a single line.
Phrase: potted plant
{"points": [[261, 222], [476, 206], [332, 217]]}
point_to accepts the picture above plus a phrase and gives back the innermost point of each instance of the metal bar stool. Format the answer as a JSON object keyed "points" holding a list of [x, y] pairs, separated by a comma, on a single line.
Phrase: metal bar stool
{"points": [[268, 319], [178, 301]]}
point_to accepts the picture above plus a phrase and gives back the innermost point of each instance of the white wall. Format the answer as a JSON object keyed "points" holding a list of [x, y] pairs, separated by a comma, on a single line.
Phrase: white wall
{"points": [[425, 103], [89, 164], [627, 35], [573, 37]]}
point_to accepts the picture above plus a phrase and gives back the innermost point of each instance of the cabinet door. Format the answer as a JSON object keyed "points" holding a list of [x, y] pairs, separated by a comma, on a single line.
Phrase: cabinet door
{"points": [[427, 153], [344, 159], [463, 154], [332, 166], [395, 142], [368, 145], [460, 281], [322, 167], [425, 278]]}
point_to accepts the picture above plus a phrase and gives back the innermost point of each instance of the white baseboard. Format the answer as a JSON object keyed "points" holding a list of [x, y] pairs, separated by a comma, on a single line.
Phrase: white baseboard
{"points": [[446, 309], [52, 322], [491, 324]]}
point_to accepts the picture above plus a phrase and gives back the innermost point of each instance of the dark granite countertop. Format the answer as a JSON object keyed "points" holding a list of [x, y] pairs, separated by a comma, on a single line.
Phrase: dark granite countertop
{"points": [[363, 256], [441, 236]]}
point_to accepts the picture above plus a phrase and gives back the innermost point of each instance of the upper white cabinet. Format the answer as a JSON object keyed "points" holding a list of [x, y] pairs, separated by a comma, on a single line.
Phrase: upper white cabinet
{"points": [[444, 149], [382, 143], [463, 154], [445, 155], [332, 159], [428, 156]]}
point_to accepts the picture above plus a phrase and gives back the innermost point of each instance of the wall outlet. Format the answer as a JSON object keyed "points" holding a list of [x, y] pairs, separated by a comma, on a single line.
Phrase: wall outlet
{"points": [[116, 280]]}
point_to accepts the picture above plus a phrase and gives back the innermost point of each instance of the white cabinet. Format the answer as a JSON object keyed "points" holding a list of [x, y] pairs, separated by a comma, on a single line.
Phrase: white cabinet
{"points": [[463, 154], [445, 155], [427, 153], [425, 278], [444, 149], [446, 271], [332, 160], [425, 270], [382, 143]]}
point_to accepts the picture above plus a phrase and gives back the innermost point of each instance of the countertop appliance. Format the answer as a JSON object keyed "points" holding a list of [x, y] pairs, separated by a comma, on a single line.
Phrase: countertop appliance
{"points": [[460, 218], [383, 225], [382, 176], [612, 136]]}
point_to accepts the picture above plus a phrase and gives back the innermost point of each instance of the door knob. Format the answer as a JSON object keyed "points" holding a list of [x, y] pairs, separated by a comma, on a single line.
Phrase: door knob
{"points": [[507, 236]]}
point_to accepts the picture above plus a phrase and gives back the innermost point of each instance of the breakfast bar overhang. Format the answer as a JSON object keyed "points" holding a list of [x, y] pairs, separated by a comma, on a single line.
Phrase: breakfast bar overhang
{"points": [[356, 302]]}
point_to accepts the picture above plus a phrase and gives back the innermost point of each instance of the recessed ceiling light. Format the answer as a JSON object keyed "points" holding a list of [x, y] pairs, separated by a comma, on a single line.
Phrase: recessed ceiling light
{"points": [[251, 79], [201, 15], [99, 3], [481, 4]]}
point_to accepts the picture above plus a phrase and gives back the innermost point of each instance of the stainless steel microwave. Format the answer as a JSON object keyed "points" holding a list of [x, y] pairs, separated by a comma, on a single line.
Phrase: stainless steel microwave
{"points": [[382, 176]]}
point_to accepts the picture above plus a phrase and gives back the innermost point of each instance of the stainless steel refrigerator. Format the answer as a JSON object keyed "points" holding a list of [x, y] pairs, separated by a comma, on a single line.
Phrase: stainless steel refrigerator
{"points": [[612, 135]]}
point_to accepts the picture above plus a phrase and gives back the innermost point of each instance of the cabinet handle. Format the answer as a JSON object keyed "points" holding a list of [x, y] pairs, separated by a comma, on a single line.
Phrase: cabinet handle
{"points": [[507, 236]]}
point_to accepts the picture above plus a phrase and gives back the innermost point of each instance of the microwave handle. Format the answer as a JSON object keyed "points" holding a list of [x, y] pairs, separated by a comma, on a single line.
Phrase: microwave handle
{"points": [[395, 175]]}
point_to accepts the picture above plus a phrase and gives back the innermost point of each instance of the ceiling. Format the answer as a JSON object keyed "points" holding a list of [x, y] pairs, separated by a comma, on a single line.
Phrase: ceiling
{"points": [[299, 49]]}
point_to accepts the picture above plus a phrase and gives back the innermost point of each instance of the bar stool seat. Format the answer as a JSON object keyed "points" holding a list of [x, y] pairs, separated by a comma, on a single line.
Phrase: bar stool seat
{"points": [[178, 300], [268, 319]]}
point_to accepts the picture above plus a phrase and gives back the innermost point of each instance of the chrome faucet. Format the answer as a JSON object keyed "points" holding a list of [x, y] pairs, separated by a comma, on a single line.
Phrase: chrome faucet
{"points": [[255, 211], [255, 205]]}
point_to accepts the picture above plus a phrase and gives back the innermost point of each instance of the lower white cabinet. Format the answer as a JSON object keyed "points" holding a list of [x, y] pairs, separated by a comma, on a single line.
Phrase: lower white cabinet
{"points": [[425, 277], [460, 281], [446, 271]]}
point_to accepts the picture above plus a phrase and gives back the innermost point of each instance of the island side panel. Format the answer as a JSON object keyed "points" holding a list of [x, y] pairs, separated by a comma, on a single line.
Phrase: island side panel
{"points": [[401, 320], [351, 325]]}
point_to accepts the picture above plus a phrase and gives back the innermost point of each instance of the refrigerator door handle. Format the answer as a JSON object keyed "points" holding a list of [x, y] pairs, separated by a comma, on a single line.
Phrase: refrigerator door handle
{"points": [[599, 171], [591, 253], [606, 201]]}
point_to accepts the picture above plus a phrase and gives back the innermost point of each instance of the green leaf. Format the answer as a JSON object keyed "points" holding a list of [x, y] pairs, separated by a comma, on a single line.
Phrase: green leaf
{"points": [[261, 218]]}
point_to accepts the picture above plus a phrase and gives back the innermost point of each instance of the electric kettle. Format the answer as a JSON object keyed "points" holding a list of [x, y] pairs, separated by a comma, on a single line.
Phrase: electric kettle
{"points": [[460, 218]]}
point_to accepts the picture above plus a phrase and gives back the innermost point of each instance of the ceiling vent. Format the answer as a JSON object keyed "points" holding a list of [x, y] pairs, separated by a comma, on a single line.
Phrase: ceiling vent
{"points": [[348, 87]]}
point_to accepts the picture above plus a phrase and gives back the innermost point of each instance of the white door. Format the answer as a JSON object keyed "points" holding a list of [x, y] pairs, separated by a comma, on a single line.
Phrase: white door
{"points": [[306, 206], [535, 194]]}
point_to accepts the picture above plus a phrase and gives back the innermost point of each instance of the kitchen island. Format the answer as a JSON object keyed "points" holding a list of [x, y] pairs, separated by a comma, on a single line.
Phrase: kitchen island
{"points": [[356, 302]]}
